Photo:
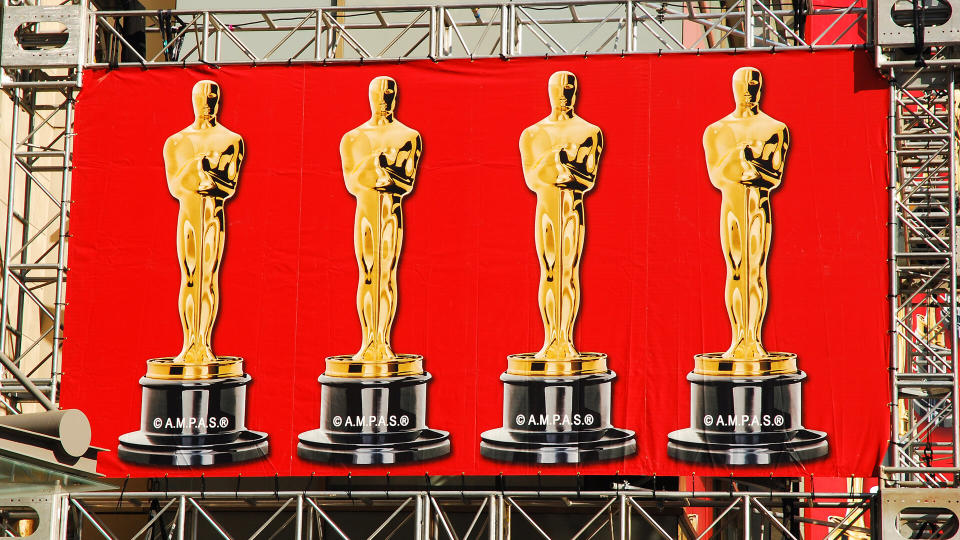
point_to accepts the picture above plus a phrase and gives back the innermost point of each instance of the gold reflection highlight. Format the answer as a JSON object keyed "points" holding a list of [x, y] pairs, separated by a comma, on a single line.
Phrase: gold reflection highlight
{"points": [[26, 527], [561, 158], [202, 166], [380, 160], [745, 153]]}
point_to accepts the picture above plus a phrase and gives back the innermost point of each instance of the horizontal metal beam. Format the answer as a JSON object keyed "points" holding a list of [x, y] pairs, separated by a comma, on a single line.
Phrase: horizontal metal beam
{"points": [[436, 31], [476, 494]]}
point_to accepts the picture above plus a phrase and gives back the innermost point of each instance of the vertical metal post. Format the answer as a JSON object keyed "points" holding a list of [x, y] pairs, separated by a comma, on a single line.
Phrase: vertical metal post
{"points": [[61, 530], [748, 30], [418, 518], [624, 518], [55, 516], [318, 35], [310, 525], [434, 39], [746, 517], [894, 285], [194, 521], [26, 214], [629, 28], [206, 33], [504, 29], [952, 188], [79, 525], [182, 519], [83, 40], [91, 53], [299, 520], [330, 42], [427, 518], [506, 530], [516, 44], [59, 300], [443, 40], [8, 239], [216, 44], [492, 506]]}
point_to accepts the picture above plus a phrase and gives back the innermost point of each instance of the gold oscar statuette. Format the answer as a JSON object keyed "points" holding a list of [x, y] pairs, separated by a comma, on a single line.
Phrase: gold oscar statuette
{"points": [[197, 394], [746, 400], [203, 165], [560, 156], [745, 153], [380, 160]]}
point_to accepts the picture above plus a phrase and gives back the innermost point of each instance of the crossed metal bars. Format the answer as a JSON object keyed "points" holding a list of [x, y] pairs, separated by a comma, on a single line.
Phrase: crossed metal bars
{"points": [[923, 278], [34, 248], [458, 31], [445, 515]]}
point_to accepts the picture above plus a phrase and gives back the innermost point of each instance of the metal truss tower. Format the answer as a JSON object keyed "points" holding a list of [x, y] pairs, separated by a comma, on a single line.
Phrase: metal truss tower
{"points": [[925, 438], [45, 50], [454, 515], [41, 85]]}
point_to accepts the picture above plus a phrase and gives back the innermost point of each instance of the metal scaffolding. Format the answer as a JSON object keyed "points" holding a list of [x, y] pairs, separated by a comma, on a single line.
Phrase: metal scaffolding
{"points": [[455, 515], [923, 277], [470, 30], [35, 241], [42, 73]]}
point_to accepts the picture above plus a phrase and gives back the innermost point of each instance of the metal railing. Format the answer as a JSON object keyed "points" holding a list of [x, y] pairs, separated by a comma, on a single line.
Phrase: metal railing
{"points": [[467, 31], [456, 515], [35, 243]]}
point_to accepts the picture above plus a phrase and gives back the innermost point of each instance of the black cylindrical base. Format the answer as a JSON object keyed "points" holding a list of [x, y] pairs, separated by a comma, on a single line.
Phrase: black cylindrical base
{"points": [[373, 421], [746, 421], [557, 420], [189, 423]]}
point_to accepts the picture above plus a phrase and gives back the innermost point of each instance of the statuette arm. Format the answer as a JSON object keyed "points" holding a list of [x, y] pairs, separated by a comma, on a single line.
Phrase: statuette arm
{"points": [[396, 171], [725, 168], [222, 169], [358, 173], [183, 179], [544, 166], [583, 165], [765, 160]]}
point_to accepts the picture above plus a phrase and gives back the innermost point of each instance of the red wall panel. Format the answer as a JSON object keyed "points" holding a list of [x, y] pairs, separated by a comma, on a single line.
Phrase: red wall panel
{"points": [[652, 271]]}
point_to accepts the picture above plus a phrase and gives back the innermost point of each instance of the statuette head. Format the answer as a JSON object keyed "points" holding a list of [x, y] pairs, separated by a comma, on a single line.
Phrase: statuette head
{"points": [[206, 100], [747, 87], [563, 91], [383, 96]]}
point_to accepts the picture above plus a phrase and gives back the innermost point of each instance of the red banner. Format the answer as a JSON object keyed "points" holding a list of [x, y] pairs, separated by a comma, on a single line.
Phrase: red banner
{"points": [[652, 270]]}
